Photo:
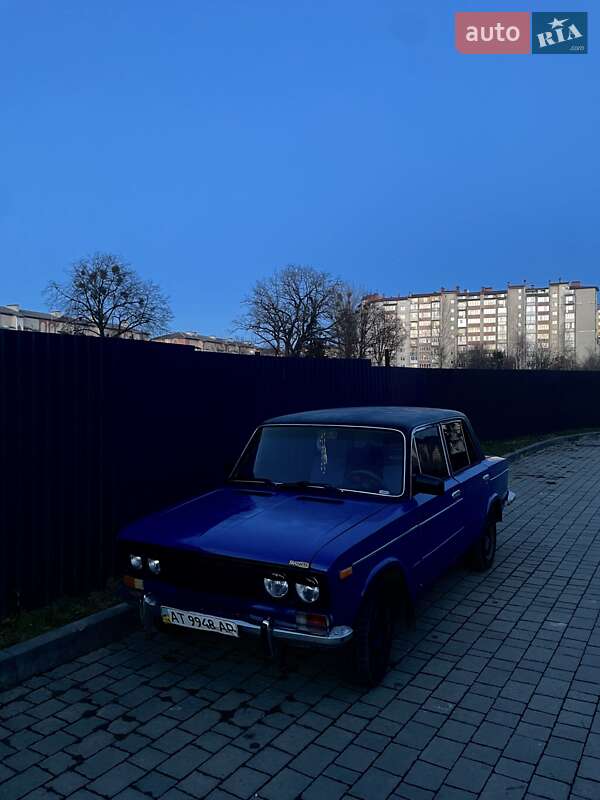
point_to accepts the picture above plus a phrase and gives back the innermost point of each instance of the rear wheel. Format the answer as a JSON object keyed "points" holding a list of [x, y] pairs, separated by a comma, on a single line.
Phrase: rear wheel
{"points": [[373, 635], [483, 552]]}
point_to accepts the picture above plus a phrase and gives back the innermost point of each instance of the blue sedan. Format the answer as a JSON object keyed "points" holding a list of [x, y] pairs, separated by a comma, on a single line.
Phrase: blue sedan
{"points": [[329, 526]]}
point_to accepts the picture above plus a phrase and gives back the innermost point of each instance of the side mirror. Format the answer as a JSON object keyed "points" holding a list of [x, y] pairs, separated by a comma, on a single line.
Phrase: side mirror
{"points": [[427, 484]]}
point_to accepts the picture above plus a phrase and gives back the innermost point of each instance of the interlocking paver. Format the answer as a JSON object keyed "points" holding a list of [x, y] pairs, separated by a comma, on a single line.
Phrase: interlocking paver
{"points": [[286, 785], [23, 782], [493, 695], [374, 783]]}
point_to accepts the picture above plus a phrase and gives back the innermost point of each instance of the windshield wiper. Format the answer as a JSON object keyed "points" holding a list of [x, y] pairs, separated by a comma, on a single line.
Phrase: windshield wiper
{"points": [[328, 487], [264, 481], [309, 485]]}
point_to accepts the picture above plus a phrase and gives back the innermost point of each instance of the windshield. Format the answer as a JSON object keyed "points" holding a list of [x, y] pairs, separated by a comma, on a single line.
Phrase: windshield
{"points": [[358, 459]]}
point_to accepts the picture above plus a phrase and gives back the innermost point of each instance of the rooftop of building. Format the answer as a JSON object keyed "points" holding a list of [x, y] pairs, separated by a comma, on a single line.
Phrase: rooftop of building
{"points": [[16, 309], [195, 336], [483, 291]]}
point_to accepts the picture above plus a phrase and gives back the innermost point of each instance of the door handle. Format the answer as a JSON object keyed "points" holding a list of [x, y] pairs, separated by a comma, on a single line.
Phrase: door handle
{"points": [[486, 477], [456, 493]]}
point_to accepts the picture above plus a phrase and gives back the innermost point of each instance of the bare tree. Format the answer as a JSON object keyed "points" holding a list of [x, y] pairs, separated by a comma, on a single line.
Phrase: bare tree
{"points": [[293, 311], [385, 334], [105, 297], [539, 357], [444, 348], [519, 350], [592, 361], [349, 328], [363, 327], [477, 357]]}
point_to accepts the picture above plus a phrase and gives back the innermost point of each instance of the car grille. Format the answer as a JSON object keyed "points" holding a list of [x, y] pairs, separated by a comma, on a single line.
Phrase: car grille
{"points": [[199, 572]]}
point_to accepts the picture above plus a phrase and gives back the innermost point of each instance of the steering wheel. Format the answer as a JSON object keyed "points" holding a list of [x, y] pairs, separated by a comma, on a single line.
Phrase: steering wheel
{"points": [[368, 481]]}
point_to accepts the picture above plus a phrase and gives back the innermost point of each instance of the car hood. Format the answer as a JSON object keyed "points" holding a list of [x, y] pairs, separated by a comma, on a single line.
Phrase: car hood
{"points": [[276, 527]]}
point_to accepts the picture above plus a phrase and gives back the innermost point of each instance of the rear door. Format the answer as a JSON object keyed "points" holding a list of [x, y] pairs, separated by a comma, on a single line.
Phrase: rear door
{"points": [[472, 477], [439, 516]]}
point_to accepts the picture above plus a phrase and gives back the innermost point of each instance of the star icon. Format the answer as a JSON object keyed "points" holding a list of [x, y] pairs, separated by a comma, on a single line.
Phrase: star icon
{"points": [[557, 23]]}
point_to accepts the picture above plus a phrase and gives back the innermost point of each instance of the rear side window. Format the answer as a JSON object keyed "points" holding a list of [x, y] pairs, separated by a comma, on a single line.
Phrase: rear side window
{"points": [[428, 453], [456, 445]]}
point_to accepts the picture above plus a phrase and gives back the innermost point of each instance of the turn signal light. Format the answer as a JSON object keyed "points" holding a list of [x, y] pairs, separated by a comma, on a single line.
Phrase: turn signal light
{"points": [[133, 583], [313, 621]]}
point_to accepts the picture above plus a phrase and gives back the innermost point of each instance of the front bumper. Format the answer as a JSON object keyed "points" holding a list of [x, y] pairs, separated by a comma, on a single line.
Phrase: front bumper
{"points": [[265, 630], [509, 498]]}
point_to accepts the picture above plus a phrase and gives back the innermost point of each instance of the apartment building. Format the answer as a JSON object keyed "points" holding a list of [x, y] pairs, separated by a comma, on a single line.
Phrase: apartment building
{"points": [[19, 319], [13, 317], [561, 318], [208, 344]]}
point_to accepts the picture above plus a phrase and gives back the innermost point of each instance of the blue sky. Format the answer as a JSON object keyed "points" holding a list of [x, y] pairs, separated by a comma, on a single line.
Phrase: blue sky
{"points": [[209, 142]]}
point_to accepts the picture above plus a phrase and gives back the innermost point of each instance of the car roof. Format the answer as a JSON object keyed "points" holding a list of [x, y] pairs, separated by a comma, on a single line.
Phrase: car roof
{"points": [[405, 418]]}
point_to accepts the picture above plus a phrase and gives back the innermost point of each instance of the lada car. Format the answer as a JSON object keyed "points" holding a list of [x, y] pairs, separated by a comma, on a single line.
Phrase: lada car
{"points": [[329, 526]]}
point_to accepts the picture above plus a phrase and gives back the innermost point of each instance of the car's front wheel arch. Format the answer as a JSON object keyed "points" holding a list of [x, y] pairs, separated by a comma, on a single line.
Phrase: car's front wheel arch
{"points": [[390, 578]]}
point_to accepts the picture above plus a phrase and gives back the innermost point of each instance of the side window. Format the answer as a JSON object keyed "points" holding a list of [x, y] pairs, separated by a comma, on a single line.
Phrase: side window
{"points": [[428, 453], [474, 455], [456, 445]]}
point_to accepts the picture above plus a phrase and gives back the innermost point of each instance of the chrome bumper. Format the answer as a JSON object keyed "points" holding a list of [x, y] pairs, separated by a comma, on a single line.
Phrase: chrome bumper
{"points": [[338, 636], [335, 638], [509, 498]]}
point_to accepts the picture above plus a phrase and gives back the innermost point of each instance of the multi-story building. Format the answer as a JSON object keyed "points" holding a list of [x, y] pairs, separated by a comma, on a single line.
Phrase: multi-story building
{"points": [[16, 318], [208, 344], [561, 319]]}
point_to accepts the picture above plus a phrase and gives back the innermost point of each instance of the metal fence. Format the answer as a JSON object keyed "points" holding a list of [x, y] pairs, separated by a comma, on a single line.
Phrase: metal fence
{"points": [[95, 433]]}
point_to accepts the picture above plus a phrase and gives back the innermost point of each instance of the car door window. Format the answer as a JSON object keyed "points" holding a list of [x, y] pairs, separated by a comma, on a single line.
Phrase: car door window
{"points": [[428, 453], [474, 455], [456, 445]]}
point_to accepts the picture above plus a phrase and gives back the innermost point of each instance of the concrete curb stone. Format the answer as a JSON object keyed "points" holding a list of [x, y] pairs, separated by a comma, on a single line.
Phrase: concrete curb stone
{"points": [[42, 653]]}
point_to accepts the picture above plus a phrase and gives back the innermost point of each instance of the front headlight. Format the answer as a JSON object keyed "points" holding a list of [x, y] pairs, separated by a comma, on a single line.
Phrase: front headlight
{"points": [[276, 585], [136, 562], [308, 590], [154, 565]]}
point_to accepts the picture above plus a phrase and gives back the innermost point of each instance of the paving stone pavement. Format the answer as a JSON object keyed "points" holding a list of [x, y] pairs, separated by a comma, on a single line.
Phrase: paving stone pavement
{"points": [[494, 695]]}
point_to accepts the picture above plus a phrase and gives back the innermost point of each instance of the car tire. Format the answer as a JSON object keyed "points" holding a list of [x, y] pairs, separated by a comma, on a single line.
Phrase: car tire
{"points": [[483, 552], [372, 642]]}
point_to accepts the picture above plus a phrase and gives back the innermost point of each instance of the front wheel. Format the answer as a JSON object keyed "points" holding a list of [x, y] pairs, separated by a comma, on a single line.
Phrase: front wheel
{"points": [[483, 552], [373, 635]]}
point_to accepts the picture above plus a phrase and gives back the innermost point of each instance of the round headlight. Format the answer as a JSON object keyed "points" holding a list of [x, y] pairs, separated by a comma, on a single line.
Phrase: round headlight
{"points": [[308, 590], [136, 562], [154, 565], [276, 585]]}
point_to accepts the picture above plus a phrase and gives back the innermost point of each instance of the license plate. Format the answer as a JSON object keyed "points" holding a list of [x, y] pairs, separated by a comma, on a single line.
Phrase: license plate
{"points": [[203, 622]]}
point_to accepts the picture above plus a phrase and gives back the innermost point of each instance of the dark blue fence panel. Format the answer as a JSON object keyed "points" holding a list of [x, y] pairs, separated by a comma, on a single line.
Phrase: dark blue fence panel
{"points": [[95, 433]]}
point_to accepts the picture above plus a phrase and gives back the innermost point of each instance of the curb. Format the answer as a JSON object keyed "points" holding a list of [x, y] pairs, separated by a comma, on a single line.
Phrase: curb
{"points": [[531, 448], [42, 653]]}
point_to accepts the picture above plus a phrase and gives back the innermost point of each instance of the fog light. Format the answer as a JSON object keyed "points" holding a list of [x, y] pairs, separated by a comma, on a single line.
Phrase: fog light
{"points": [[276, 585], [308, 590], [136, 562], [154, 565]]}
